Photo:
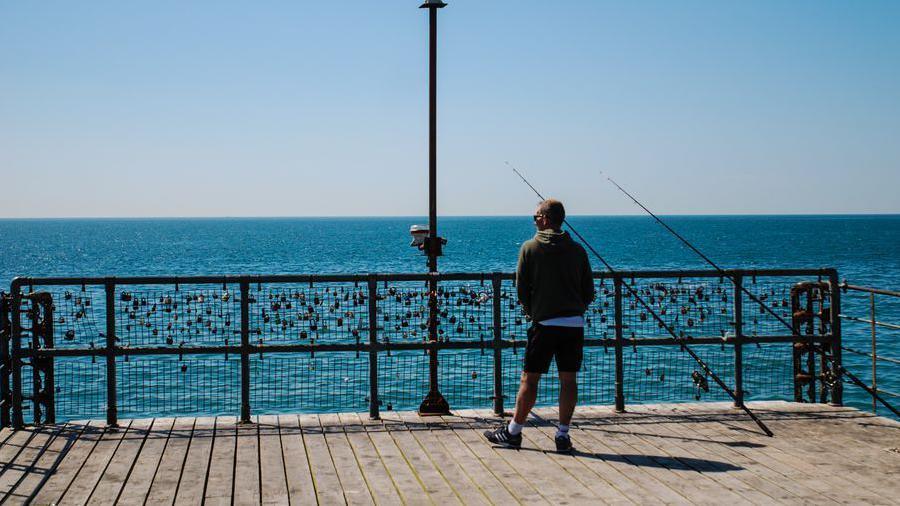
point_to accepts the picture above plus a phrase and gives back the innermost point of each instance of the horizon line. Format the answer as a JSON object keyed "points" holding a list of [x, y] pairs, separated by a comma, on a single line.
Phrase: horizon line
{"points": [[623, 215]]}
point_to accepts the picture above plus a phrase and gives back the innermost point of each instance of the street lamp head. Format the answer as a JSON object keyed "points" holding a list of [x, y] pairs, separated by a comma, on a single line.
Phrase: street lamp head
{"points": [[433, 4]]}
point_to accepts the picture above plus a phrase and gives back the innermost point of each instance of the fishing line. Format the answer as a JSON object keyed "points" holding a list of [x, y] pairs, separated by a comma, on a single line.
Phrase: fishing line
{"points": [[680, 340], [855, 380]]}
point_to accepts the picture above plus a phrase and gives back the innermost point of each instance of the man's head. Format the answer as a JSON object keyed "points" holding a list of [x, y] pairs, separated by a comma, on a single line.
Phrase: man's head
{"points": [[549, 214]]}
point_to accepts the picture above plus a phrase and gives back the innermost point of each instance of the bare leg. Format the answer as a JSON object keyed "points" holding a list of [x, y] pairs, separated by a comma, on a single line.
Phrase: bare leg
{"points": [[527, 395], [568, 396]]}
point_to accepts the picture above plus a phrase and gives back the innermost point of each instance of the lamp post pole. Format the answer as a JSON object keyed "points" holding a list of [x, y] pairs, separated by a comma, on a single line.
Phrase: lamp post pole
{"points": [[434, 403]]}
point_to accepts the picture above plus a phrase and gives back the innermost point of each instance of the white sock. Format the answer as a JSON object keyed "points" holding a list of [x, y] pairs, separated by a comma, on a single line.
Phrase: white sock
{"points": [[514, 428], [562, 430]]}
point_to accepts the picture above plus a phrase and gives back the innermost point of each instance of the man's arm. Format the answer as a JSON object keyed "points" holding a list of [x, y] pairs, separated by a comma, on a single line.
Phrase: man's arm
{"points": [[587, 281], [523, 281]]}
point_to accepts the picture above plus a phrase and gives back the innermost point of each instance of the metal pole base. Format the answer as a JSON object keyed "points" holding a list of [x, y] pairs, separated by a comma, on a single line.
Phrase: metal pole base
{"points": [[620, 405], [434, 404]]}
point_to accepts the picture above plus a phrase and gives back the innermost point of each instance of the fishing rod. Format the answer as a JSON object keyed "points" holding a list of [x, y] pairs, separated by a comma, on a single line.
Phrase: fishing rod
{"points": [[680, 340], [853, 378]]}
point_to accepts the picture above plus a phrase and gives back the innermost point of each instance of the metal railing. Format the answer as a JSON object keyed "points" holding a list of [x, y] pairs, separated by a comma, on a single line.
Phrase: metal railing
{"points": [[873, 325], [371, 330]]}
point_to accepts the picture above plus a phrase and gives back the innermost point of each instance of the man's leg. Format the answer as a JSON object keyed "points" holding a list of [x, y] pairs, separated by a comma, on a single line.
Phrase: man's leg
{"points": [[538, 355], [570, 353], [528, 388], [568, 396]]}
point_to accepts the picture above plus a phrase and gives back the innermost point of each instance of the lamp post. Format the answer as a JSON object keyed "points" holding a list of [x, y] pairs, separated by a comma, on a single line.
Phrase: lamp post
{"points": [[433, 403]]}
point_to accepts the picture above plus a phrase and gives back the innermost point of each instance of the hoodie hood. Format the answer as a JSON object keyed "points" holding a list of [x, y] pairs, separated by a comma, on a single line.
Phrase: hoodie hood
{"points": [[551, 240]]}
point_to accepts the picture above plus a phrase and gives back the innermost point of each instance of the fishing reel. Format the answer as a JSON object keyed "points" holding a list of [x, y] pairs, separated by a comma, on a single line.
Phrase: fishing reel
{"points": [[700, 383]]}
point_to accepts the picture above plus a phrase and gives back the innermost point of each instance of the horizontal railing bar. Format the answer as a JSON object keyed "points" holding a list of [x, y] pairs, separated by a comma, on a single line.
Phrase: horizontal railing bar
{"points": [[863, 320], [868, 289], [712, 273], [889, 393], [359, 278], [877, 357], [382, 347]]}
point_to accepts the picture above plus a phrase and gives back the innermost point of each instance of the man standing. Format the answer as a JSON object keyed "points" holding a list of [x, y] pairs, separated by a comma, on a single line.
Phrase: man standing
{"points": [[555, 287]]}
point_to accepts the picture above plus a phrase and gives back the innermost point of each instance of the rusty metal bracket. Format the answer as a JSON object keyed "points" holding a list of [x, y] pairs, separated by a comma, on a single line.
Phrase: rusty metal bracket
{"points": [[43, 386]]}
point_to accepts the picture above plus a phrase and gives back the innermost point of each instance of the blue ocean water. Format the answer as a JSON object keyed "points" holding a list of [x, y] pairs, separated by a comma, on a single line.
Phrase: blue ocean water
{"points": [[865, 250]]}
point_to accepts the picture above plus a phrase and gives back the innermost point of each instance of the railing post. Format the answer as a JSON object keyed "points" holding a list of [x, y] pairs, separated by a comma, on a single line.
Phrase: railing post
{"points": [[373, 348], [837, 391], [18, 420], [874, 351], [112, 414], [496, 284], [620, 373], [5, 336], [738, 340], [245, 351]]}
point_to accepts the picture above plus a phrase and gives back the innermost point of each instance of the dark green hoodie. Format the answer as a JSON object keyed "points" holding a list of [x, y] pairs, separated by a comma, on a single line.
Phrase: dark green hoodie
{"points": [[554, 276]]}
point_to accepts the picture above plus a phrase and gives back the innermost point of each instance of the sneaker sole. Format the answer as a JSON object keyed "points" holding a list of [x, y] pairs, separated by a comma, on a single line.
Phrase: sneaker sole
{"points": [[505, 445]]}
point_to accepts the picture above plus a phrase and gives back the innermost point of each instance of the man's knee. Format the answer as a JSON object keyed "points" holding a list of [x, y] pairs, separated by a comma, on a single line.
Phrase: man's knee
{"points": [[530, 379], [568, 380]]}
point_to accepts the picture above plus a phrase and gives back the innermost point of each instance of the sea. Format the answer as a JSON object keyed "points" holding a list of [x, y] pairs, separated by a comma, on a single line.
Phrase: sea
{"points": [[865, 249]]}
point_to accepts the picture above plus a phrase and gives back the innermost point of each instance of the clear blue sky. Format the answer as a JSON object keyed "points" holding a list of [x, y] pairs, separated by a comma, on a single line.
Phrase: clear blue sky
{"points": [[194, 108]]}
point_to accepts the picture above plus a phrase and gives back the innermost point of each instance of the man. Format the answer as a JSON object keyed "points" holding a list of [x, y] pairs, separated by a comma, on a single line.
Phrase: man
{"points": [[555, 287]]}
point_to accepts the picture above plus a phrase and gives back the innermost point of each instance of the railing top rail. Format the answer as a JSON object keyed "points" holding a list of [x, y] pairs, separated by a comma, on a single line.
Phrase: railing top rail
{"points": [[19, 282], [868, 289]]}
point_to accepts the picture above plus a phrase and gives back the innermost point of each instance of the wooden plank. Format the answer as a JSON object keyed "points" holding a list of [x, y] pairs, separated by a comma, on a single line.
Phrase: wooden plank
{"points": [[803, 452], [5, 433], [120, 465], [246, 465], [759, 476], [46, 464], [793, 468], [196, 463], [18, 467], [425, 432], [639, 469], [763, 454], [87, 478], [853, 438], [605, 482], [468, 428], [301, 489], [13, 454], [670, 472], [356, 490], [324, 474], [14, 445], [168, 474], [742, 453], [271, 462], [550, 479], [469, 463], [379, 482], [718, 475], [435, 484], [220, 477], [403, 476], [744, 480], [137, 486], [53, 489]]}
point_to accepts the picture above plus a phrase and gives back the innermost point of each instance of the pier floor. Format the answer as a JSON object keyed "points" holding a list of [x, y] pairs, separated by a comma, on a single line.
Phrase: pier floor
{"points": [[676, 453]]}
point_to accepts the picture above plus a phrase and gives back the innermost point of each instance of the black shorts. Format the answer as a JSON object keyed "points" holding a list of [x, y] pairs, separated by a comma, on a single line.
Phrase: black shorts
{"points": [[566, 344]]}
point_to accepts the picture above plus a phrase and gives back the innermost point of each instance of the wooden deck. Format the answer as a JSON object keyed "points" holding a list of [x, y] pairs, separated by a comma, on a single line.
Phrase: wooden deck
{"points": [[687, 453]]}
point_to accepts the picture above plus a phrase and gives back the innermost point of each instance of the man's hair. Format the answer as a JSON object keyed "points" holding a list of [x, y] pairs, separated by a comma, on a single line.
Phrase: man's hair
{"points": [[554, 211]]}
